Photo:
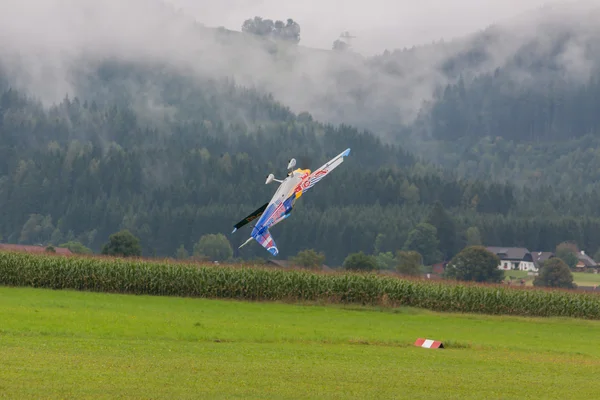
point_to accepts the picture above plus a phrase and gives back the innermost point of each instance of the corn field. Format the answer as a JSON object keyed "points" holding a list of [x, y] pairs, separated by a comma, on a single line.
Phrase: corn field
{"points": [[131, 276]]}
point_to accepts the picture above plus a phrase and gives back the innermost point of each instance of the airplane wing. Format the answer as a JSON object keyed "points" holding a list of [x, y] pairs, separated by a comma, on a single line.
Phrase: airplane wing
{"points": [[255, 214], [324, 170]]}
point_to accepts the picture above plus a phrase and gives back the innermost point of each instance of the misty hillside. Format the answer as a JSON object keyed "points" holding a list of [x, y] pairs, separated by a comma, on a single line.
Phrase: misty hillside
{"points": [[80, 171], [379, 93], [532, 121], [515, 102], [530, 137]]}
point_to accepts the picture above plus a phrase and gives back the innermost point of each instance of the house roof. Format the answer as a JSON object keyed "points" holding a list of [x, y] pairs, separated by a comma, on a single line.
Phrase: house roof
{"points": [[509, 253], [541, 256], [587, 260], [32, 249]]}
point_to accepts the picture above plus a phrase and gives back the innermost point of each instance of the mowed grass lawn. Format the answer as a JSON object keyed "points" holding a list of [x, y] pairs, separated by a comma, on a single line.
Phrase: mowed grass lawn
{"points": [[64, 344], [580, 278], [586, 279]]}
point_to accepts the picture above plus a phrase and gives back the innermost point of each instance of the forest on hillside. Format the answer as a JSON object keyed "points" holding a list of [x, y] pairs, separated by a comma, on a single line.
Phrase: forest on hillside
{"points": [[514, 103], [81, 171], [529, 135], [172, 148], [169, 186], [518, 106]]}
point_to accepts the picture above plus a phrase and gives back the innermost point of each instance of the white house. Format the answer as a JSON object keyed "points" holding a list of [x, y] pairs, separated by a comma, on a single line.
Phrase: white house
{"points": [[514, 258]]}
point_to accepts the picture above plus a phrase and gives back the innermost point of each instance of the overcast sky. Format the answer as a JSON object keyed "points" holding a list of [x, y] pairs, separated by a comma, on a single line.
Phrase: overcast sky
{"points": [[377, 24]]}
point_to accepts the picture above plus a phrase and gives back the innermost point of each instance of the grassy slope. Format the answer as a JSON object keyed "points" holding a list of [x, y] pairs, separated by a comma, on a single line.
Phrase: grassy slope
{"points": [[74, 344]]}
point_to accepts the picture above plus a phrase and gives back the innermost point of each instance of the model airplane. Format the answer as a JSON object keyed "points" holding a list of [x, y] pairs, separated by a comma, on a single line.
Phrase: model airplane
{"points": [[279, 208]]}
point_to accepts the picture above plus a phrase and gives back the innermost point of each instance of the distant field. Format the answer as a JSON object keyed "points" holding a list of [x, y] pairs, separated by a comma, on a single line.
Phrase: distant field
{"points": [[57, 344], [580, 278], [585, 279]]}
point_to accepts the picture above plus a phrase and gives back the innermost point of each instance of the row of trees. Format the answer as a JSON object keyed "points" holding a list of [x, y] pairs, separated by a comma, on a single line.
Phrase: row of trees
{"points": [[288, 31], [210, 247], [473, 263]]}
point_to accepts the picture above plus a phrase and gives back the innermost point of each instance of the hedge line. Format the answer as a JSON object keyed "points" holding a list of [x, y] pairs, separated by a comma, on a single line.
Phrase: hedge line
{"points": [[165, 278]]}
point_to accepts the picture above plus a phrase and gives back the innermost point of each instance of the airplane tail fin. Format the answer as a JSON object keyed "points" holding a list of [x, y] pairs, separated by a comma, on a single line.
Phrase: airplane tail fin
{"points": [[265, 240]]}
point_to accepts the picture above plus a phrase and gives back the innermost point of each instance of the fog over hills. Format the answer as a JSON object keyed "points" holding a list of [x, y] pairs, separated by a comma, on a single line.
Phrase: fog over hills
{"points": [[46, 44], [377, 24], [157, 57]]}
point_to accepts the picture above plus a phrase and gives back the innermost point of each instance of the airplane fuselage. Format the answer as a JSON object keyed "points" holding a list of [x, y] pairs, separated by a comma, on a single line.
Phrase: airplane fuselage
{"points": [[281, 204], [283, 200]]}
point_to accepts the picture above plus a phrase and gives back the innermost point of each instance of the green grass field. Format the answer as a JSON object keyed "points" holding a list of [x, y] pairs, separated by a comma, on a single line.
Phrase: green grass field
{"points": [[586, 279], [64, 344], [580, 278]]}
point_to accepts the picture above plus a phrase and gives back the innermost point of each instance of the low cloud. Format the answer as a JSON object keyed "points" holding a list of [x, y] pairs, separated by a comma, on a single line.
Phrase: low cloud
{"points": [[43, 43]]}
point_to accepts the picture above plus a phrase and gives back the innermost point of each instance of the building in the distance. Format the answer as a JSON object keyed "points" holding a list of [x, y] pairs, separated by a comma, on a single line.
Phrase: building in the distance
{"points": [[520, 258]]}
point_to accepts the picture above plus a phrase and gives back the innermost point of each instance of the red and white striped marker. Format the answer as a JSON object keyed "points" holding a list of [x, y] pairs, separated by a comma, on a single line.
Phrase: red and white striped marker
{"points": [[429, 344]]}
